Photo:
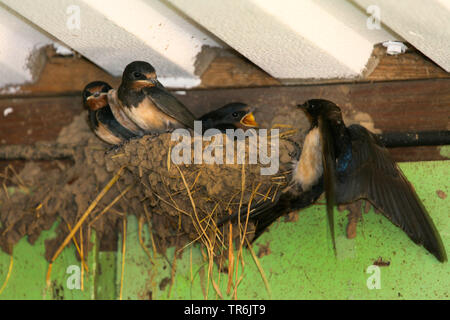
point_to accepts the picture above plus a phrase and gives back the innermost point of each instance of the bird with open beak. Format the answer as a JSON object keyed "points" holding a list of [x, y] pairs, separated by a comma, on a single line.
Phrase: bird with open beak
{"points": [[236, 115]]}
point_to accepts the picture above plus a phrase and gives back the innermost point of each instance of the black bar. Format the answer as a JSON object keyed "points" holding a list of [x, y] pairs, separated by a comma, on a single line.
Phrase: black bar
{"points": [[415, 139]]}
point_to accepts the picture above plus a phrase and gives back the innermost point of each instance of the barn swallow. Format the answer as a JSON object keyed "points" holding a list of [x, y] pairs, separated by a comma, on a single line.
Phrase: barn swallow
{"points": [[148, 104], [235, 115], [101, 118], [119, 114], [357, 166], [304, 188]]}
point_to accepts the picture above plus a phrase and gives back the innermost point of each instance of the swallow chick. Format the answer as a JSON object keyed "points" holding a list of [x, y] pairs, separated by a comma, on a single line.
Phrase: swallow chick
{"points": [[148, 104], [119, 114], [236, 115], [357, 166], [101, 118]]}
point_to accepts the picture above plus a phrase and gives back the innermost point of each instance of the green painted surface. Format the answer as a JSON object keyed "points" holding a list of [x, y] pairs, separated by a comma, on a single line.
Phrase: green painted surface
{"points": [[300, 265], [105, 277], [28, 276]]}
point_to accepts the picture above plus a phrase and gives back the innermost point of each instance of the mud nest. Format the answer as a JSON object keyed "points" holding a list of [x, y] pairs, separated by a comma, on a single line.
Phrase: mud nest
{"points": [[180, 203]]}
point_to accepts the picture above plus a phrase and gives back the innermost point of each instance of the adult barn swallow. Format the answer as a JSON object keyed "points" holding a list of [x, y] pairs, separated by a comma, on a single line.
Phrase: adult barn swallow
{"points": [[101, 118], [357, 166], [145, 101], [235, 115]]}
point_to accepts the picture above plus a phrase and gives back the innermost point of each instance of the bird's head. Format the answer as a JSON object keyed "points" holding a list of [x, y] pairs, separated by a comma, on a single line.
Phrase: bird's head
{"points": [[138, 75], [95, 95], [317, 107], [237, 114]]}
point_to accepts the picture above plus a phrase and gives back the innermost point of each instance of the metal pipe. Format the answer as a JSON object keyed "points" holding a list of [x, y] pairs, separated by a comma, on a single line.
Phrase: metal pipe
{"points": [[415, 139]]}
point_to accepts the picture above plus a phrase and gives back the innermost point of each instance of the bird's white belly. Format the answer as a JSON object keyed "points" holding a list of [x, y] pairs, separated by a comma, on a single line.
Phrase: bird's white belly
{"points": [[309, 168]]}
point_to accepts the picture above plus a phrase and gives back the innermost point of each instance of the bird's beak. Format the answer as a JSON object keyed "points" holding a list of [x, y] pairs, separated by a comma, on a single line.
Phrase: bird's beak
{"points": [[97, 95], [302, 106], [97, 101], [249, 120], [147, 83]]}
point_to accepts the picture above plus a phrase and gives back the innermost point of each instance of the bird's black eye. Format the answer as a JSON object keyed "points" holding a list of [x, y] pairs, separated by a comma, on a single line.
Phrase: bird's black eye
{"points": [[86, 94], [235, 114], [137, 74]]}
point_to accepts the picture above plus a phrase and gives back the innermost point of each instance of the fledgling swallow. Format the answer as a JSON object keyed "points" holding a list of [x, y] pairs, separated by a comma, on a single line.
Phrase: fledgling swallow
{"points": [[357, 166], [304, 188], [234, 115], [119, 114], [148, 104], [101, 118]]}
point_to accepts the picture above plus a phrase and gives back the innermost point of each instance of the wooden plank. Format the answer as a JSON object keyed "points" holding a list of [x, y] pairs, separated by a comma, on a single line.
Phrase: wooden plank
{"points": [[389, 106], [36, 119], [422, 23], [411, 65], [65, 76], [385, 106], [69, 75], [233, 71]]}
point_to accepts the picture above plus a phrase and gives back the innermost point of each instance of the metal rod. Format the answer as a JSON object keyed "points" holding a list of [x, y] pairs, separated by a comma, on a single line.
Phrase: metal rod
{"points": [[415, 139]]}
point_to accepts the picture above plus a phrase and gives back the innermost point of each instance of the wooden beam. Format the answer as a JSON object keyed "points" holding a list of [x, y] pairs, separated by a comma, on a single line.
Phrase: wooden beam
{"points": [[424, 24], [36, 119], [69, 75], [387, 106], [381, 106]]}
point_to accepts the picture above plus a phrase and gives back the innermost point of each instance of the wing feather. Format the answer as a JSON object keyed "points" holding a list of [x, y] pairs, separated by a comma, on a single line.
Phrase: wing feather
{"points": [[329, 172], [377, 178], [170, 105]]}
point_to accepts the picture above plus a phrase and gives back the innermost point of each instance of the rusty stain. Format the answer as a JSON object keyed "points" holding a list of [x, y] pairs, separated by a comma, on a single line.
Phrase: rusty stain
{"points": [[379, 262], [163, 284], [441, 194], [291, 217], [264, 249]]}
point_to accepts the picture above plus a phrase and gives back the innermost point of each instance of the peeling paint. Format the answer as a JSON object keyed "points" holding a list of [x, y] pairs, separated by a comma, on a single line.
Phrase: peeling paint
{"points": [[62, 50], [204, 58], [7, 111], [10, 90], [445, 151], [36, 61]]}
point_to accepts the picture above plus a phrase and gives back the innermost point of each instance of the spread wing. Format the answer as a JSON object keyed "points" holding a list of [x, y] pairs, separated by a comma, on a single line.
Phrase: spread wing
{"points": [[170, 105], [329, 171], [373, 175]]}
